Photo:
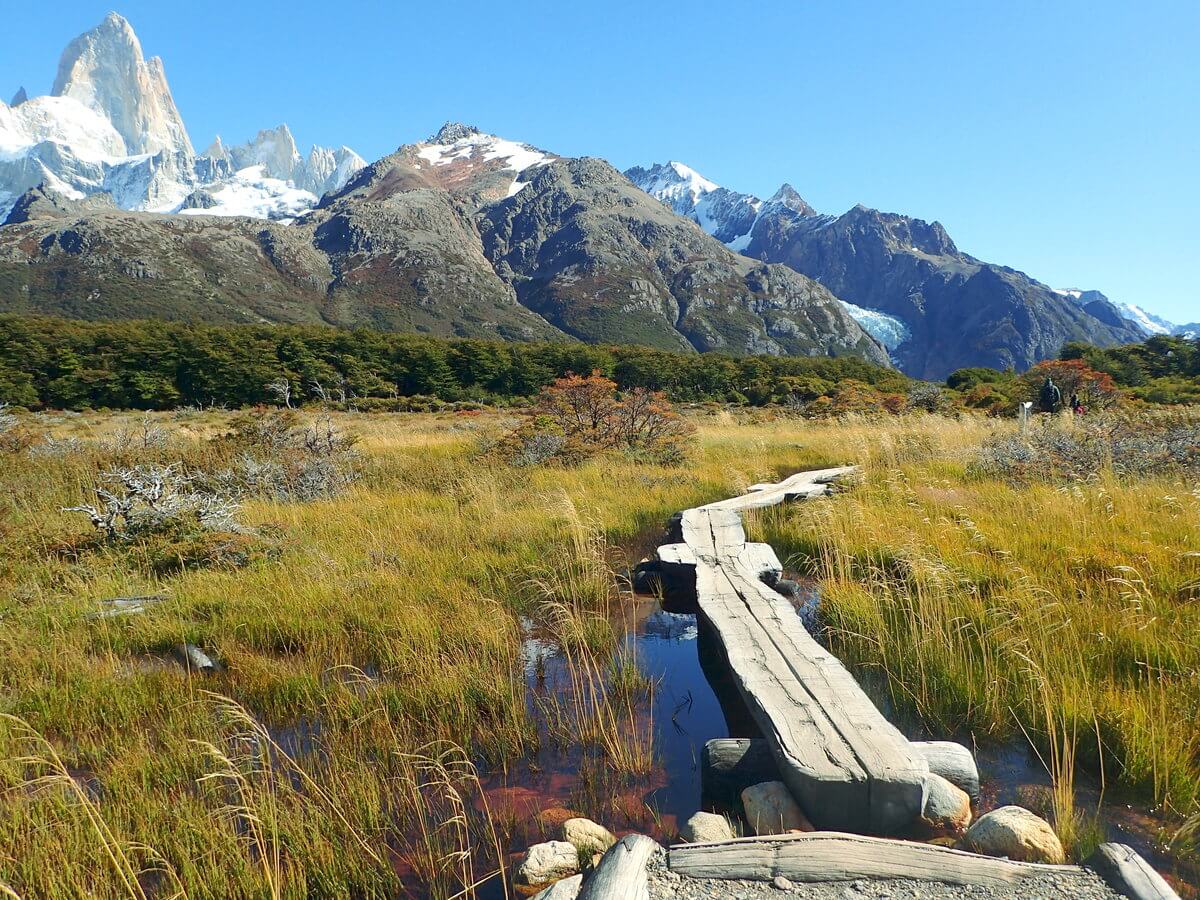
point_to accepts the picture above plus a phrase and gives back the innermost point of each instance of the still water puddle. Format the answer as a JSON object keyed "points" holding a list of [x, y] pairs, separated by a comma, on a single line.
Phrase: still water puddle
{"points": [[694, 702]]}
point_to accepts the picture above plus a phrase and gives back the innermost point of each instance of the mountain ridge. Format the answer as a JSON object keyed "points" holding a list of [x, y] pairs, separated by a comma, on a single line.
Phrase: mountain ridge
{"points": [[471, 234], [935, 307]]}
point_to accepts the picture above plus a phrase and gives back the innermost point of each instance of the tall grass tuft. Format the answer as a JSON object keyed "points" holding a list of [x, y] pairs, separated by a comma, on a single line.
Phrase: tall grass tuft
{"points": [[43, 772]]}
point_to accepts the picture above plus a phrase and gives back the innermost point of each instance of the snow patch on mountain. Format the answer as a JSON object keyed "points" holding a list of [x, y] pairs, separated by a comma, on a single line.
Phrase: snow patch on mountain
{"points": [[464, 144], [111, 126], [888, 330], [1149, 323], [253, 193], [485, 147]]}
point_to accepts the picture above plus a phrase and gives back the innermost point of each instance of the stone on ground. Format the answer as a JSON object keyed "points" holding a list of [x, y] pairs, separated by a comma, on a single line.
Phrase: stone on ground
{"points": [[947, 808], [547, 862], [1017, 833], [567, 889], [952, 761], [781, 883], [771, 809], [587, 836], [706, 828]]}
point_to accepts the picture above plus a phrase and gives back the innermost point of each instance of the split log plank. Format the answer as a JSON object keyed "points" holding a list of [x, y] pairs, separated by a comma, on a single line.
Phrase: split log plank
{"points": [[831, 856], [1127, 873], [849, 768], [621, 872]]}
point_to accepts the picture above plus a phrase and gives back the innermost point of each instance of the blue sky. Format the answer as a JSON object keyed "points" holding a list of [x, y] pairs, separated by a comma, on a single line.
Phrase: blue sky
{"points": [[1061, 138]]}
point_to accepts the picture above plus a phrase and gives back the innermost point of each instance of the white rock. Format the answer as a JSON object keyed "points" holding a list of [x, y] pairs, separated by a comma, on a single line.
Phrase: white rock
{"points": [[706, 828], [952, 761], [587, 836], [567, 889], [946, 808], [1016, 833], [104, 70], [544, 863], [771, 809]]}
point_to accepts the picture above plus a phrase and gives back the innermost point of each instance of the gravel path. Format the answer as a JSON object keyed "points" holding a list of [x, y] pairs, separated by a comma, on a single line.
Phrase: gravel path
{"points": [[666, 885]]}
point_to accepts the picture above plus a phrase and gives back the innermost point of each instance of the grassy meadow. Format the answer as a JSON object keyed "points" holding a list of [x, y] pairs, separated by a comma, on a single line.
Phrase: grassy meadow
{"points": [[370, 641]]}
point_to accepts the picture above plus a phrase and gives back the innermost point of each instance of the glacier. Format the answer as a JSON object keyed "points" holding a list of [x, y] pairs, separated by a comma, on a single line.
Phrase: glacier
{"points": [[888, 330]]}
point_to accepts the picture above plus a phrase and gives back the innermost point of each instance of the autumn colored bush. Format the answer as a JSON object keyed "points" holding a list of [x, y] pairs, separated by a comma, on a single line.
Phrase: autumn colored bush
{"points": [[1096, 390], [577, 417]]}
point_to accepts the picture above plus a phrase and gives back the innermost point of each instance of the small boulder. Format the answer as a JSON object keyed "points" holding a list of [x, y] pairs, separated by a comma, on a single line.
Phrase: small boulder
{"points": [[771, 809], [586, 836], [1016, 833], [551, 861], [946, 809], [705, 828], [567, 889], [952, 761]]}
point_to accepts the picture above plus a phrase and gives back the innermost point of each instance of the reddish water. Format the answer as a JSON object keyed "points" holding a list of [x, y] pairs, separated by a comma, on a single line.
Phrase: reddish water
{"points": [[693, 703]]}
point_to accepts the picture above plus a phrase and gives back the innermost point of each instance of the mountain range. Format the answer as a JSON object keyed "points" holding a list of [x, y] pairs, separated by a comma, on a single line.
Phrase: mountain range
{"points": [[107, 211]]}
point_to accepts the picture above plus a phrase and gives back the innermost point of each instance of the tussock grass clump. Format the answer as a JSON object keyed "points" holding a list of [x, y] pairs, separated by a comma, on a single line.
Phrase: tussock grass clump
{"points": [[1059, 448]]}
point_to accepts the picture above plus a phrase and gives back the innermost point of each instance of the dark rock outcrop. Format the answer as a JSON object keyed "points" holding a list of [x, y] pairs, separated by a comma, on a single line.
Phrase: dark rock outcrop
{"points": [[961, 311]]}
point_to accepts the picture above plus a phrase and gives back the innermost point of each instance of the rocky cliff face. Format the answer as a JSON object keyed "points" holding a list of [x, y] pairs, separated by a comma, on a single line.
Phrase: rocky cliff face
{"points": [[604, 262], [104, 70], [111, 126], [959, 311], [465, 234], [903, 279]]}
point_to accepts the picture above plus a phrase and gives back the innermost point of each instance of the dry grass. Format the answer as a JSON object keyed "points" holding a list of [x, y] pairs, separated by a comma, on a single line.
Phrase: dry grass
{"points": [[1065, 611], [415, 577], [375, 661]]}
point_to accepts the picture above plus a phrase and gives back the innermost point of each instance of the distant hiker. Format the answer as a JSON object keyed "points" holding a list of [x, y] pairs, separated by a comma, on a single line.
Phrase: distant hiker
{"points": [[1076, 405], [1050, 397]]}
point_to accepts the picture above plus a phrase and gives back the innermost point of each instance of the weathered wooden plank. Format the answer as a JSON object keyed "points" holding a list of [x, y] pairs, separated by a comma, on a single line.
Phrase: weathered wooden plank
{"points": [[831, 856], [1126, 872], [847, 765], [621, 872]]}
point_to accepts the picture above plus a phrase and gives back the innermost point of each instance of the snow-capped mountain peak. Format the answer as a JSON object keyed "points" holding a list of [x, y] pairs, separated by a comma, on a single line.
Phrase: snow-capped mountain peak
{"points": [[105, 71], [111, 126], [1149, 323], [672, 182], [459, 146], [725, 214]]}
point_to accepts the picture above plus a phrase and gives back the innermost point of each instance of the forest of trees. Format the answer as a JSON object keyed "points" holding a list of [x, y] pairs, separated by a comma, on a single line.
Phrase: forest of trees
{"points": [[70, 364]]}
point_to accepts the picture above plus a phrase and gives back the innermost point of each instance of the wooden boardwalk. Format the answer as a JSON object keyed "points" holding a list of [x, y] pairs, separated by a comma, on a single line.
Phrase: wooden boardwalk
{"points": [[848, 767]]}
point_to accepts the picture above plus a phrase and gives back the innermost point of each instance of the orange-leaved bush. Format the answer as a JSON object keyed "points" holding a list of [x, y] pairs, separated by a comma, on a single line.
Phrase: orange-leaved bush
{"points": [[1096, 390], [580, 416]]}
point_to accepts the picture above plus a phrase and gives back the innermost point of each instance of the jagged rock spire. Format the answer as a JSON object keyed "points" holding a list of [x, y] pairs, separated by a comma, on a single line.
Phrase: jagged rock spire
{"points": [[19, 97], [104, 69]]}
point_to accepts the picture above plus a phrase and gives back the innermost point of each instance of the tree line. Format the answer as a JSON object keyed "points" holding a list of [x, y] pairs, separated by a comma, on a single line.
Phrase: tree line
{"points": [[71, 364]]}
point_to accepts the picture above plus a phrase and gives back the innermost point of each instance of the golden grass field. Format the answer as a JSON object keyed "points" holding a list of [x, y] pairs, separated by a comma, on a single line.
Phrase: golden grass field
{"points": [[374, 655]]}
